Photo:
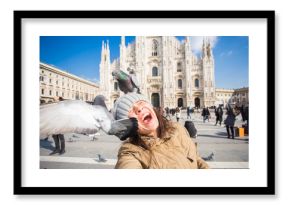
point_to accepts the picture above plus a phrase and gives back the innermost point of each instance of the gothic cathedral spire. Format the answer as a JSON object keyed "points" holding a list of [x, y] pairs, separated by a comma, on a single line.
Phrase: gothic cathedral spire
{"points": [[123, 53]]}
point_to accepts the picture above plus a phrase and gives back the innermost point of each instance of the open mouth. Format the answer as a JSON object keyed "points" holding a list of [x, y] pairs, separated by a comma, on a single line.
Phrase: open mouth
{"points": [[147, 118]]}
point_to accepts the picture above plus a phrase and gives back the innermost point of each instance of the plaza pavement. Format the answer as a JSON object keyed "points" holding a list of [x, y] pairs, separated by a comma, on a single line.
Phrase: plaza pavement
{"points": [[82, 151]]}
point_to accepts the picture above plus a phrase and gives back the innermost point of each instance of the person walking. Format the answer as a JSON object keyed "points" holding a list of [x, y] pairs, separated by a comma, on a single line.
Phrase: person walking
{"points": [[167, 111], [206, 114], [177, 112], [188, 111], [219, 115]]}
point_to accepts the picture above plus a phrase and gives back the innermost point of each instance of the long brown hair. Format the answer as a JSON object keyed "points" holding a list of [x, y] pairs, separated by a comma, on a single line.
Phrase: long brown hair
{"points": [[165, 127]]}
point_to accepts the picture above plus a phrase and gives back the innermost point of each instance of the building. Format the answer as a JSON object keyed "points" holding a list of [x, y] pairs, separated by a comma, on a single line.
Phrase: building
{"points": [[241, 96], [169, 74], [55, 83], [223, 96], [238, 96]]}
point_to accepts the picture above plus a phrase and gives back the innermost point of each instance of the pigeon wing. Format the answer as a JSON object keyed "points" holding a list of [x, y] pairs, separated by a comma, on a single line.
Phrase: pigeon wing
{"points": [[73, 116]]}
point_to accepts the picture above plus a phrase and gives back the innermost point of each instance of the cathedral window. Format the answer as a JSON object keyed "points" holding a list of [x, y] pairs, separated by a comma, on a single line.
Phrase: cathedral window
{"points": [[179, 67], [179, 82], [196, 83], [154, 48], [154, 71]]}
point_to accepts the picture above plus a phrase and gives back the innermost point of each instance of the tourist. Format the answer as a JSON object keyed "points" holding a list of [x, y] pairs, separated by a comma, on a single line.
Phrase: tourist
{"points": [[157, 143]]}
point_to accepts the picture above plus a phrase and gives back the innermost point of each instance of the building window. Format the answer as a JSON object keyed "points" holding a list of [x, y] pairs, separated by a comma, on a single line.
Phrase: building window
{"points": [[179, 82], [116, 86], [196, 83], [179, 67], [56, 93], [154, 48], [154, 71], [42, 91], [49, 80], [50, 93]]}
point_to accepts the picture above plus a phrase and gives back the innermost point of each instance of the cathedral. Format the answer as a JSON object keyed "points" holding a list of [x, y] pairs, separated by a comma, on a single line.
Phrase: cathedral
{"points": [[168, 72]]}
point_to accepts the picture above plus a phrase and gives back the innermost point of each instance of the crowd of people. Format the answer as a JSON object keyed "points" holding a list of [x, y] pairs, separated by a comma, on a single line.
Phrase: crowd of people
{"points": [[231, 111]]}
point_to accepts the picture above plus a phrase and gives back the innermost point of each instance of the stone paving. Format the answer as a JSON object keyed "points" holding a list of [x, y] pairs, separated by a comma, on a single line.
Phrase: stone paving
{"points": [[81, 150]]}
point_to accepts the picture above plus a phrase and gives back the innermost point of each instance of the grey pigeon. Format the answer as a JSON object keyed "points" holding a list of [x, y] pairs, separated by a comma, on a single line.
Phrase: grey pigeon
{"points": [[209, 157], [75, 116], [101, 159], [127, 83]]}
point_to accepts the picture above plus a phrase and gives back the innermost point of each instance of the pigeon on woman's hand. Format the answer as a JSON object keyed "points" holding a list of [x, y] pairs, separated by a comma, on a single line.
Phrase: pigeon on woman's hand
{"points": [[124, 128]]}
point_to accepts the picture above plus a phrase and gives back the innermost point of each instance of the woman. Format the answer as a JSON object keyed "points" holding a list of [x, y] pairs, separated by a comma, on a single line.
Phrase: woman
{"points": [[158, 143]]}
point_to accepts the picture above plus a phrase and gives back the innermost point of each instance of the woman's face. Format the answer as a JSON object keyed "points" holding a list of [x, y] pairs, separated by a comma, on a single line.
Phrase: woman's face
{"points": [[147, 119]]}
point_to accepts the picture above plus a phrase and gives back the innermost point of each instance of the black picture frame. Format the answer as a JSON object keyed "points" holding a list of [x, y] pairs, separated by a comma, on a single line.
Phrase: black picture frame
{"points": [[19, 189]]}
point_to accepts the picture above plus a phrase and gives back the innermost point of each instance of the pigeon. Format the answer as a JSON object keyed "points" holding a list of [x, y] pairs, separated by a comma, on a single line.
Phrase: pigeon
{"points": [[75, 116], [101, 159], [127, 83], [209, 157]]}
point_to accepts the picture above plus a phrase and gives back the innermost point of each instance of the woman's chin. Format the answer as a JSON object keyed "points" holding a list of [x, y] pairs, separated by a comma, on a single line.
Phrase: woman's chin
{"points": [[148, 128]]}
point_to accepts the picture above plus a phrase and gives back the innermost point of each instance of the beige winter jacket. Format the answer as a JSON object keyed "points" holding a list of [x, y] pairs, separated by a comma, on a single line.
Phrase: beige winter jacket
{"points": [[175, 151]]}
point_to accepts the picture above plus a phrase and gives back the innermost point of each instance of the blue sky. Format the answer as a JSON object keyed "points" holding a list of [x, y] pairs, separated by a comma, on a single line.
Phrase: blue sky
{"points": [[81, 55]]}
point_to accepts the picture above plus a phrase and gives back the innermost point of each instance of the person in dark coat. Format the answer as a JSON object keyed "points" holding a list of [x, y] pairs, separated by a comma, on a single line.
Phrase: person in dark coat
{"points": [[230, 121], [219, 115], [205, 113], [59, 144]]}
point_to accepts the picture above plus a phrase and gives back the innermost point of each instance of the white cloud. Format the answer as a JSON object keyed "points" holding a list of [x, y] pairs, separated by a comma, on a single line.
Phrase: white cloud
{"points": [[226, 54], [197, 41]]}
